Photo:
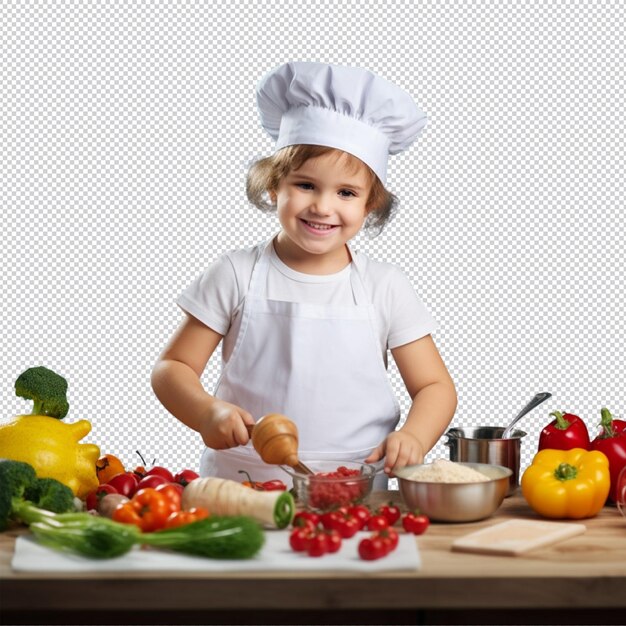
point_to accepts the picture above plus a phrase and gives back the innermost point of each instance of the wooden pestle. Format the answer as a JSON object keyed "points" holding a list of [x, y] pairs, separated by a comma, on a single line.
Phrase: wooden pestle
{"points": [[275, 438]]}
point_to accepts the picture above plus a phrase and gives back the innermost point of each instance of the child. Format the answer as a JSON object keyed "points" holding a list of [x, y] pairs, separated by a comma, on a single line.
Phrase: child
{"points": [[306, 321]]}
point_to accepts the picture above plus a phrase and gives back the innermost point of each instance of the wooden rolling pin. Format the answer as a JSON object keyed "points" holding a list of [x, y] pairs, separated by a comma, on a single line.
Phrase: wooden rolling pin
{"points": [[275, 438]]}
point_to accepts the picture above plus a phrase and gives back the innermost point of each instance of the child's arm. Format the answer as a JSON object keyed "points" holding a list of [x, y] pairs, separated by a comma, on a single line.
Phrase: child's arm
{"points": [[176, 383], [434, 401]]}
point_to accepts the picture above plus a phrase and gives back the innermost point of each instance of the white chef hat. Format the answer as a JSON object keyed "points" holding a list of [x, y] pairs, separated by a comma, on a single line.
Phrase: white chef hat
{"points": [[347, 108]]}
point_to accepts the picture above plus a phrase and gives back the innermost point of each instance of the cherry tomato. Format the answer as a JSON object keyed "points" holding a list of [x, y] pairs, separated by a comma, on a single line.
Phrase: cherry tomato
{"points": [[107, 467], [347, 525], [300, 538], [390, 538], [333, 541], [184, 477], [174, 496], [391, 512], [304, 519], [415, 523], [157, 470], [361, 512], [124, 483], [181, 518], [93, 499], [317, 545], [147, 509], [152, 481], [372, 548], [377, 522]]}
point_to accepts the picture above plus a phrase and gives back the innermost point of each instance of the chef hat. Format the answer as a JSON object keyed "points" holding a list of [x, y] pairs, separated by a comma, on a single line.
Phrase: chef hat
{"points": [[347, 108]]}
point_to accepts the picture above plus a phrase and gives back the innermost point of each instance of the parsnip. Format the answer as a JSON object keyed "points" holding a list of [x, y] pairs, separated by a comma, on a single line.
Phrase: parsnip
{"points": [[228, 497]]}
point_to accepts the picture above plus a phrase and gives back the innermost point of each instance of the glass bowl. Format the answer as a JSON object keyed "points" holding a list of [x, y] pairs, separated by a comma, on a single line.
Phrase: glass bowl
{"points": [[333, 484]]}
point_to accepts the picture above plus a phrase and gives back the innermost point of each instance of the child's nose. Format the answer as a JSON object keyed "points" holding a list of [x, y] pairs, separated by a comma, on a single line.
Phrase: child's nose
{"points": [[323, 205]]}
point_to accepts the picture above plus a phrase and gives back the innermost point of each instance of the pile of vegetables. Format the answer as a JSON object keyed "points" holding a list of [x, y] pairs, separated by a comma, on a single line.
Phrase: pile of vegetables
{"points": [[46, 506], [568, 432], [43, 441]]}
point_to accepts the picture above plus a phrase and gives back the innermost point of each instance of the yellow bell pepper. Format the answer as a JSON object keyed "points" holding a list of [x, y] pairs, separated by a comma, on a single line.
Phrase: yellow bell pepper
{"points": [[571, 484], [51, 447]]}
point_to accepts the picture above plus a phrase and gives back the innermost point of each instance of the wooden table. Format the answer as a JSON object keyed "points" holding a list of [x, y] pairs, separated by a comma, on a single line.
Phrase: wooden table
{"points": [[581, 580]]}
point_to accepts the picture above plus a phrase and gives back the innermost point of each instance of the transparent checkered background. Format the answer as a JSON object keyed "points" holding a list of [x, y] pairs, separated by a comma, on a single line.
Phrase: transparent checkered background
{"points": [[126, 128]]}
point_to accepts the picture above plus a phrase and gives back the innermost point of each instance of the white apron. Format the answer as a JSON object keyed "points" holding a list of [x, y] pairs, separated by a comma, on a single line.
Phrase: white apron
{"points": [[320, 365]]}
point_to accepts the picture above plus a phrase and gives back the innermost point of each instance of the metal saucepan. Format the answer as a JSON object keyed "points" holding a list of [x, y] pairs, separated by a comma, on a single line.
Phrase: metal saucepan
{"points": [[485, 445], [495, 445]]}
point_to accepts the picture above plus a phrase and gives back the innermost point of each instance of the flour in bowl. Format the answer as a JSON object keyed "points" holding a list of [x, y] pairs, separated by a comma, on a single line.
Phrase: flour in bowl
{"points": [[442, 471]]}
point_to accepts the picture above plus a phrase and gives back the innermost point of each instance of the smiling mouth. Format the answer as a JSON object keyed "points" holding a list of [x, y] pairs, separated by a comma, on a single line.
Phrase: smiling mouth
{"points": [[318, 226]]}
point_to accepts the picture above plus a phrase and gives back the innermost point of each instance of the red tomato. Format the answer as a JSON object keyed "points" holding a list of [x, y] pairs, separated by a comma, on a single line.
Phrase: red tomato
{"points": [[415, 523], [300, 538], [317, 545], [301, 517], [347, 525], [390, 538], [93, 499], [372, 548], [361, 512], [174, 496], [157, 470], [333, 541], [184, 477], [377, 522], [152, 481], [124, 483], [391, 512]]}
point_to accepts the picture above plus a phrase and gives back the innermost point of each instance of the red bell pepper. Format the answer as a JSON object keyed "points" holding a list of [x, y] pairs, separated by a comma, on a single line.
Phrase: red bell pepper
{"points": [[612, 442], [565, 432]]}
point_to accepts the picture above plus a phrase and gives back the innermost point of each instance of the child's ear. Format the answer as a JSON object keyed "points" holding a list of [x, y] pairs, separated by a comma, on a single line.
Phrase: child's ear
{"points": [[272, 195]]}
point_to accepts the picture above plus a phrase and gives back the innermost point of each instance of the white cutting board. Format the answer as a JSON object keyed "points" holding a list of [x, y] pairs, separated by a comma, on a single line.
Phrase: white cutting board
{"points": [[275, 556], [516, 537]]}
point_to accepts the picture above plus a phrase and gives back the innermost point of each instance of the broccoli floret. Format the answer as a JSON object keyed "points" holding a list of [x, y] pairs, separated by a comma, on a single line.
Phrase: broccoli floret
{"points": [[25, 497], [51, 495], [46, 388]]}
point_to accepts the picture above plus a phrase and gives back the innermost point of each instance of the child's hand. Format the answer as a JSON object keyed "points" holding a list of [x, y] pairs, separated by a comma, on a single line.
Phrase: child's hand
{"points": [[399, 449], [225, 426]]}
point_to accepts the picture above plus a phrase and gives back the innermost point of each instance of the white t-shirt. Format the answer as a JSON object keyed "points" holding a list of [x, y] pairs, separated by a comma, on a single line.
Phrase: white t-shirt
{"points": [[216, 296]]}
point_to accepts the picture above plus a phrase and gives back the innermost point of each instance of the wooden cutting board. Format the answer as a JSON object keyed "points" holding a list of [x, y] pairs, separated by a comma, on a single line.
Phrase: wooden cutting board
{"points": [[516, 537]]}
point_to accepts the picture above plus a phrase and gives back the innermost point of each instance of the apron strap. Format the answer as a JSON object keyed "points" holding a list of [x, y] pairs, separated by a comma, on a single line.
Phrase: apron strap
{"points": [[258, 280]]}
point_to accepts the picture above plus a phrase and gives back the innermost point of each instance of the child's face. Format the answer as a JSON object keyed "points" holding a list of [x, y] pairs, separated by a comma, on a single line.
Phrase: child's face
{"points": [[322, 205]]}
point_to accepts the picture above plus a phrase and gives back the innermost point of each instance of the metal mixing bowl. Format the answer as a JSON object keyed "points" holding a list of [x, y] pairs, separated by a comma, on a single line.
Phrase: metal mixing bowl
{"points": [[456, 502]]}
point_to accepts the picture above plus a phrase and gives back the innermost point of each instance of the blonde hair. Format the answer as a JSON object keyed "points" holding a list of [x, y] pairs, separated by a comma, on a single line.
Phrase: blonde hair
{"points": [[264, 176]]}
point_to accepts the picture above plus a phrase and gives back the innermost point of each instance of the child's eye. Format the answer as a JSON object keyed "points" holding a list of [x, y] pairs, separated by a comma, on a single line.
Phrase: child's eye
{"points": [[347, 193], [307, 186]]}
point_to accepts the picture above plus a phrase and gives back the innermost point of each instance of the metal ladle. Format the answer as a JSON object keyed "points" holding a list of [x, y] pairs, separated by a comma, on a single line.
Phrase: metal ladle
{"points": [[536, 401]]}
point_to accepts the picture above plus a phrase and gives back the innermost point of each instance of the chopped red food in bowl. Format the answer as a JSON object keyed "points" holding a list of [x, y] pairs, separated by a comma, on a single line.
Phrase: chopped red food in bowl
{"points": [[333, 484]]}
